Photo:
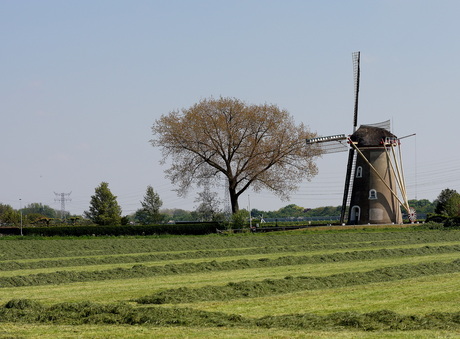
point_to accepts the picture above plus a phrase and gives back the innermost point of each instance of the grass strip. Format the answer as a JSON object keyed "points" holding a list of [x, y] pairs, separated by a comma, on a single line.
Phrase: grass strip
{"points": [[20, 248], [253, 289], [418, 295], [29, 311], [138, 271], [111, 291], [158, 257]]}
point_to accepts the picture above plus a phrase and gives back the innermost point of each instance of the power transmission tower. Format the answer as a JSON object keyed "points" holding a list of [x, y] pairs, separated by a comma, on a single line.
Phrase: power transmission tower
{"points": [[62, 197]]}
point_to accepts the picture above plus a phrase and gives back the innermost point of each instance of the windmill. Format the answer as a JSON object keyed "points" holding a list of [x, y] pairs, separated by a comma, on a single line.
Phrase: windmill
{"points": [[374, 189]]}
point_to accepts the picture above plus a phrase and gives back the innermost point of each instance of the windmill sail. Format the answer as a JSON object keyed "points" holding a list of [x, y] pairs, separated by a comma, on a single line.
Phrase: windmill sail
{"points": [[374, 172], [351, 152], [330, 144], [356, 76]]}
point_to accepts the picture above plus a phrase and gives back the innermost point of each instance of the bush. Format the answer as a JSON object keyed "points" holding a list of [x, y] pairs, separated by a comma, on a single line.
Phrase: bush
{"points": [[437, 218], [452, 222], [239, 219], [173, 229], [431, 225]]}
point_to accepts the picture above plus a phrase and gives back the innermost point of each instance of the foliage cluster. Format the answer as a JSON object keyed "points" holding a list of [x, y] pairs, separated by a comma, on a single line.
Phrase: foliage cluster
{"points": [[34, 213], [207, 210], [293, 211], [150, 212], [423, 206], [446, 201], [114, 230], [447, 209], [104, 208]]}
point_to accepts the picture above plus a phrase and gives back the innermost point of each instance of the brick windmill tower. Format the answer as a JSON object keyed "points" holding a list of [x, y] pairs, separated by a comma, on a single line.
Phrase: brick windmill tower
{"points": [[374, 189]]}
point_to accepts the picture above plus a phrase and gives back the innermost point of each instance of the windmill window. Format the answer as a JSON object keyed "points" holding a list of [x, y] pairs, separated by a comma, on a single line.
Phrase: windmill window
{"points": [[359, 172], [372, 194]]}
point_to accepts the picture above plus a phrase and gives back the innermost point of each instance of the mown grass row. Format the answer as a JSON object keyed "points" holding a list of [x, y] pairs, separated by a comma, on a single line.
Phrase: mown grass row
{"points": [[290, 273], [29, 311], [12, 265], [253, 289], [21, 248], [141, 271]]}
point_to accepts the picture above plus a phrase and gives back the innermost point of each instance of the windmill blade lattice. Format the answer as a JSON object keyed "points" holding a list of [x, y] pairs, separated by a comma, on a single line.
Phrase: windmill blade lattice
{"points": [[330, 144]]}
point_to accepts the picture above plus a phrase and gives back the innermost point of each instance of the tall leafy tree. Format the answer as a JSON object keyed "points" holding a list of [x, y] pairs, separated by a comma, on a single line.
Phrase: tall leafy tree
{"points": [[104, 208], [8, 215], [150, 211], [442, 200], [257, 146], [39, 209], [452, 205]]}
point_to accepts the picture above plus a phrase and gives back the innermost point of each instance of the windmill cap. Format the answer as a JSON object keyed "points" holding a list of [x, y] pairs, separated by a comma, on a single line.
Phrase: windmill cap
{"points": [[370, 136]]}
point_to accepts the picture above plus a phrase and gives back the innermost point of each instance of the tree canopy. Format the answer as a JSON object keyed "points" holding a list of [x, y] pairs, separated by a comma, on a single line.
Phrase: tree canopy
{"points": [[150, 211], [104, 208], [257, 146], [452, 206], [39, 209], [442, 200], [8, 215]]}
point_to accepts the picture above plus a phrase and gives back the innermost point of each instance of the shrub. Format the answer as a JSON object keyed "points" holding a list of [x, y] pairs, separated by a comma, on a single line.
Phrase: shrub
{"points": [[452, 222], [437, 218], [238, 219], [173, 229], [431, 225]]}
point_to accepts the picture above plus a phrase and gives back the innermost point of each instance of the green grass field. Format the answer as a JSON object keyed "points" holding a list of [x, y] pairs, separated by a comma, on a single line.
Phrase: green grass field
{"points": [[389, 283]]}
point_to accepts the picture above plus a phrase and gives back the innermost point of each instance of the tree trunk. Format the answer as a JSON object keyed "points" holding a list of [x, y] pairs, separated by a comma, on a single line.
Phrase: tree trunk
{"points": [[233, 198]]}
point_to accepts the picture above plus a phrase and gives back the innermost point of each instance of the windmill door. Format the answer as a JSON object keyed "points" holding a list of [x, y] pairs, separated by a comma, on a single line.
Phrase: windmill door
{"points": [[355, 215]]}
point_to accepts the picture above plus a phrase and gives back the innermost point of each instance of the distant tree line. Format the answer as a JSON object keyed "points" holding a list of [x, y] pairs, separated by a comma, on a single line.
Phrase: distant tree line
{"points": [[34, 213], [104, 210]]}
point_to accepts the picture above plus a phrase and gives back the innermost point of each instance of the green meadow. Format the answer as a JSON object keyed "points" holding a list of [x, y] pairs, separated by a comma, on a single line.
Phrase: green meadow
{"points": [[366, 283]]}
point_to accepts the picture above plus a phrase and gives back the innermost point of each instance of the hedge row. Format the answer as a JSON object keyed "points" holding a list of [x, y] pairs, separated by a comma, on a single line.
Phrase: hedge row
{"points": [[175, 229], [444, 219]]}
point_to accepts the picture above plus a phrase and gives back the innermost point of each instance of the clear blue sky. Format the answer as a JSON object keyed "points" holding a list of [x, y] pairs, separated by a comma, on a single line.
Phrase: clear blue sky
{"points": [[82, 82]]}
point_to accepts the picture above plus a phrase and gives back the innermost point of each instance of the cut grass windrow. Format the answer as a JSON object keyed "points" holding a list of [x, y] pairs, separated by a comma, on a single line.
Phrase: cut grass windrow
{"points": [[61, 248], [138, 271], [28, 311], [15, 265], [253, 289]]}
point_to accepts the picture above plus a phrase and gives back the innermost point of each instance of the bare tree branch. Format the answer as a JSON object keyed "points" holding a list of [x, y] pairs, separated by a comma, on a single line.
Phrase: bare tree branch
{"points": [[257, 146]]}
